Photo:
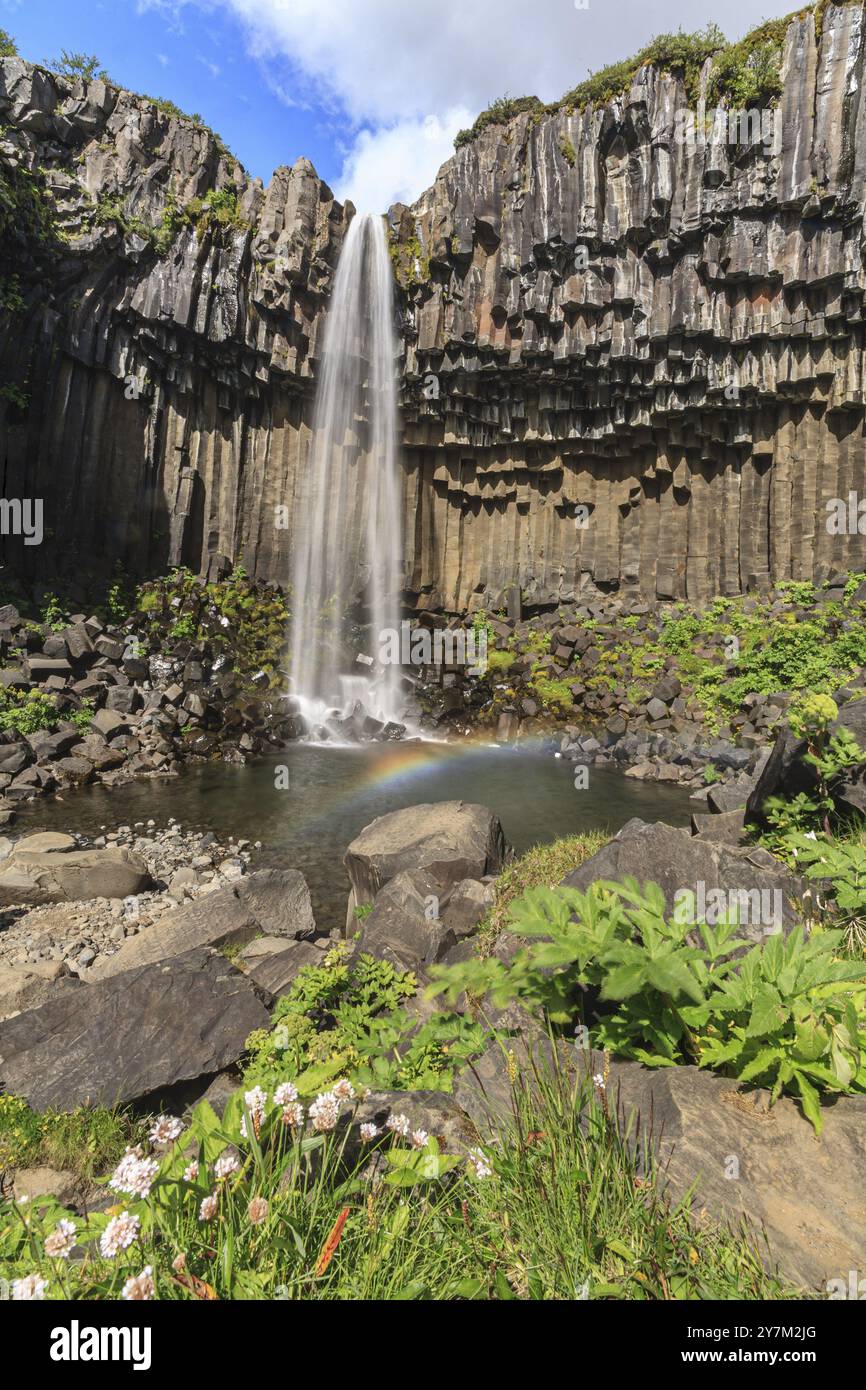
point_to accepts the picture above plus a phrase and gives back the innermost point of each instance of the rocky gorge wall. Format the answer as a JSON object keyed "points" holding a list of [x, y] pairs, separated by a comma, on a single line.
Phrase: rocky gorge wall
{"points": [[696, 385]]}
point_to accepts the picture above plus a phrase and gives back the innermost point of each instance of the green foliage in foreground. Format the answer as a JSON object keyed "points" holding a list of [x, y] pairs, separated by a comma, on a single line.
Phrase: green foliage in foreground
{"points": [[347, 1020], [558, 1206], [786, 1014]]}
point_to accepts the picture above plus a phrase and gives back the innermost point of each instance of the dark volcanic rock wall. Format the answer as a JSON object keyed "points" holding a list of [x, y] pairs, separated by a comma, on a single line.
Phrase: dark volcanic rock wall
{"points": [[166, 355], [698, 387]]}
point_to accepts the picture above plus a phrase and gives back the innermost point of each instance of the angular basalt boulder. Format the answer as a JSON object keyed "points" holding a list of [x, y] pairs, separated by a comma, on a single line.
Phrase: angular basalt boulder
{"points": [[133, 1035], [405, 926], [679, 862], [275, 902], [453, 839], [33, 877]]}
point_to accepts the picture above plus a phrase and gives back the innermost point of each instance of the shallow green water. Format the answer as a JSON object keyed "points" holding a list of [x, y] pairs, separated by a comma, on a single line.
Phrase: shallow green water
{"points": [[333, 793]]}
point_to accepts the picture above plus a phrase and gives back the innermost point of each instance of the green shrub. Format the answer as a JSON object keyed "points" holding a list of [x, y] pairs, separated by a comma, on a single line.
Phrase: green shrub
{"points": [[83, 66], [8, 46], [338, 1020], [27, 711], [787, 1014]]}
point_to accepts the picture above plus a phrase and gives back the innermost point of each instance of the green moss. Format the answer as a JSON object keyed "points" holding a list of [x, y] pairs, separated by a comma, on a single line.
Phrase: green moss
{"points": [[499, 663], [568, 152], [411, 265], [555, 693]]}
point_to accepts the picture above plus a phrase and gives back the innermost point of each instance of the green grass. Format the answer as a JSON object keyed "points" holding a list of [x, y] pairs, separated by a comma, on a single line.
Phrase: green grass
{"points": [[567, 1208], [543, 866], [744, 75], [84, 1142]]}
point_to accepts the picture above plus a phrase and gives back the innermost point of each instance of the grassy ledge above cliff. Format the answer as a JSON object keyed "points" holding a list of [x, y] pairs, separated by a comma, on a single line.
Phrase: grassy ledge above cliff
{"points": [[744, 74]]}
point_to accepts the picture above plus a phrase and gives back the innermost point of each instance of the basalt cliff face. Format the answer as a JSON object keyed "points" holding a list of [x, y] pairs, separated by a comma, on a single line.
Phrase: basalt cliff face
{"points": [[668, 412]]}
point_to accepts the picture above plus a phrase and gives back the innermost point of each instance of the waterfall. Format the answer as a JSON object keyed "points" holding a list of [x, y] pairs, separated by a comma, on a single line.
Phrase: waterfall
{"points": [[348, 541]]}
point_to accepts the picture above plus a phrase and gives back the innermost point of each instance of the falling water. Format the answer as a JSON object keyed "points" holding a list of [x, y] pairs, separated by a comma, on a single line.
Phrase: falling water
{"points": [[349, 545]]}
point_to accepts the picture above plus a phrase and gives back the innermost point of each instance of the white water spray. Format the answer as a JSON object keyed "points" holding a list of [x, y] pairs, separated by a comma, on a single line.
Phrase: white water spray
{"points": [[349, 542]]}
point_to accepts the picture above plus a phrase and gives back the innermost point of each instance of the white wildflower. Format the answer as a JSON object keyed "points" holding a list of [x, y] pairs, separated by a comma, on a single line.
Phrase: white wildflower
{"points": [[399, 1124], [208, 1209], [257, 1211], [325, 1112], [293, 1115], [59, 1244], [599, 1082], [344, 1090], [141, 1288], [369, 1133], [286, 1094], [134, 1175], [477, 1160], [166, 1130], [226, 1164], [255, 1102], [30, 1287], [191, 1172], [419, 1138], [119, 1234]]}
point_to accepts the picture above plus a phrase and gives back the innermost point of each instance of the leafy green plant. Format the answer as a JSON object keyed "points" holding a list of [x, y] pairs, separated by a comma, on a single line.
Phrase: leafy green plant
{"points": [[85, 66], [11, 298], [676, 992], [347, 1019], [8, 46], [27, 711], [840, 867], [830, 753]]}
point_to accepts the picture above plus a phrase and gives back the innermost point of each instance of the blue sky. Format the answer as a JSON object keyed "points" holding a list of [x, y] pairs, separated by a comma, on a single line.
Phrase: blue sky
{"points": [[372, 91]]}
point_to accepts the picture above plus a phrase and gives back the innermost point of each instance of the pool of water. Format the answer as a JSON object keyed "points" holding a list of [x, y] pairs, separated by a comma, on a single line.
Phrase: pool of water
{"points": [[332, 793]]}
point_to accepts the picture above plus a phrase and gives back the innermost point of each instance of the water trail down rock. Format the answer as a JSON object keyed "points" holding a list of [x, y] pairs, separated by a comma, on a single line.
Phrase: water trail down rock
{"points": [[349, 547]]}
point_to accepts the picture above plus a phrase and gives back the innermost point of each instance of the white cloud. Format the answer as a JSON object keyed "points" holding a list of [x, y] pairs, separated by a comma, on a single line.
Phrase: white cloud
{"points": [[384, 163], [213, 68], [388, 68], [162, 59]]}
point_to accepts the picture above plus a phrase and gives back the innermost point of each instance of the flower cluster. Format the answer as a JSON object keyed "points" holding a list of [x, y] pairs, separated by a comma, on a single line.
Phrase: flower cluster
{"points": [[134, 1174], [477, 1160], [119, 1234]]}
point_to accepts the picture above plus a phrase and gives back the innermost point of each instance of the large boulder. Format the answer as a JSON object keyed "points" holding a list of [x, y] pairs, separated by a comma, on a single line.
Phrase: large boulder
{"points": [[31, 877], [786, 773], [405, 925], [768, 895], [275, 902], [26, 986], [453, 839], [131, 1036]]}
